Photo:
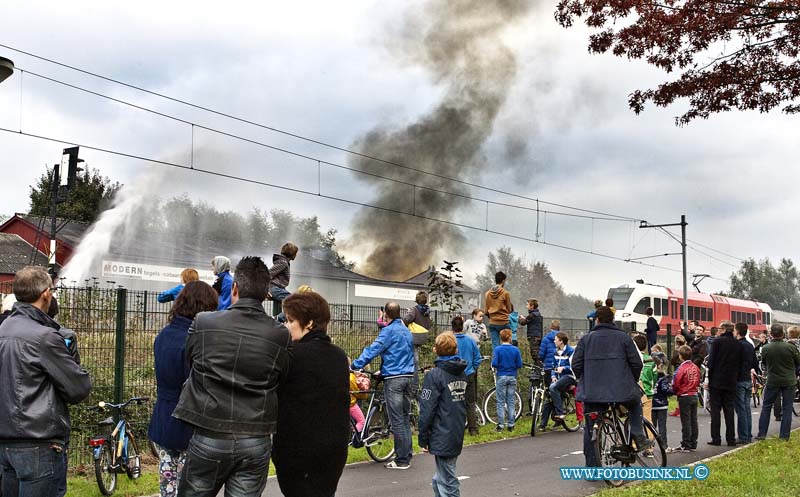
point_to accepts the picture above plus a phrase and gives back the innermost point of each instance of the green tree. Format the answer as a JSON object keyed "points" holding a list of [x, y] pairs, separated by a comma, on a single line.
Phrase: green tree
{"points": [[91, 195], [532, 280], [761, 281]]}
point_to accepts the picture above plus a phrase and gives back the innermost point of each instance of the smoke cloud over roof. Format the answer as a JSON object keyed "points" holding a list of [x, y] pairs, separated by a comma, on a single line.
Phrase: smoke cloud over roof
{"points": [[459, 43]]}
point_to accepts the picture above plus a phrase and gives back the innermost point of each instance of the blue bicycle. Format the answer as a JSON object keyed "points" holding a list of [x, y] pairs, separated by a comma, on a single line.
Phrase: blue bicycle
{"points": [[117, 452]]}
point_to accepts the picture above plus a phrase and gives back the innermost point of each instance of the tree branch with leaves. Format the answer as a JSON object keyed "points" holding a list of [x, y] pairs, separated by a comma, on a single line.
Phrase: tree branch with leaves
{"points": [[731, 54]]}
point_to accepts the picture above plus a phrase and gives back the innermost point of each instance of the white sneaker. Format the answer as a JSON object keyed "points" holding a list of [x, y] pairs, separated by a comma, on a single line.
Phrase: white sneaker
{"points": [[395, 465]]}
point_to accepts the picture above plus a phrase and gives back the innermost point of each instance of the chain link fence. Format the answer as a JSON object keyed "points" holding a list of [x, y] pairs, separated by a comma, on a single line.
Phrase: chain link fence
{"points": [[116, 329]]}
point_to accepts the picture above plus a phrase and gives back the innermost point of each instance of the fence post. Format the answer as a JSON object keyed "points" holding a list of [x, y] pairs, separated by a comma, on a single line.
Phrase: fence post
{"points": [[144, 312], [669, 346], [119, 349], [351, 316]]}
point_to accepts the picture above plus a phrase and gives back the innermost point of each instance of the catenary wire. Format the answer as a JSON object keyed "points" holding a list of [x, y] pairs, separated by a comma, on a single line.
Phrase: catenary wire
{"points": [[310, 158], [329, 197], [300, 137]]}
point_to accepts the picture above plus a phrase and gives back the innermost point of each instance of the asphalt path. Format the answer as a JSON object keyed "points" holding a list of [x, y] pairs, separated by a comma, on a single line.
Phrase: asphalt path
{"points": [[526, 466]]}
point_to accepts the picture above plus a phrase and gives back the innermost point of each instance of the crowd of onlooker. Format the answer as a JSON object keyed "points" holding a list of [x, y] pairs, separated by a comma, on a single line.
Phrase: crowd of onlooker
{"points": [[238, 388]]}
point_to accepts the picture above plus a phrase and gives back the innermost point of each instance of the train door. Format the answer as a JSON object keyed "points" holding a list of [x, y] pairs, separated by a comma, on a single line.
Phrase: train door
{"points": [[758, 317]]}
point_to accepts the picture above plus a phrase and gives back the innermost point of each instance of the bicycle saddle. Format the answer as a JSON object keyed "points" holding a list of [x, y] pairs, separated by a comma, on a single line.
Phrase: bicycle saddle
{"points": [[107, 422]]}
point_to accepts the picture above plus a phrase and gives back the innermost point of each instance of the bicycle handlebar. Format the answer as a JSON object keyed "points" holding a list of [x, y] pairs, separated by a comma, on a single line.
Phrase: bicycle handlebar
{"points": [[108, 405]]}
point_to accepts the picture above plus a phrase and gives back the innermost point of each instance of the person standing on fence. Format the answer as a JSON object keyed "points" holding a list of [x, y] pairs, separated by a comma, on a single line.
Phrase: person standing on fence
{"points": [[224, 282], [310, 447], [468, 351], [187, 276], [279, 275], [534, 322], [170, 435], [418, 321], [498, 307], [40, 377], [394, 345], [238, 358]]}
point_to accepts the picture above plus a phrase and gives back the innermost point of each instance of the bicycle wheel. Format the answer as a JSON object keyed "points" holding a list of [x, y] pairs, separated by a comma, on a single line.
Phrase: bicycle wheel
{"points": [[536, 410], [606, 438], [517, 405], [479, 417], [570, 423], [380, 441], [106, 477], [133, 467], [490, 405], [657, 456]]}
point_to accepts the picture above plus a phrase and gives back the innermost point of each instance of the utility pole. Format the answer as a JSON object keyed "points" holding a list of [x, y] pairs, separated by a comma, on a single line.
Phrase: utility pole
{"points": [[64, 177], [682, 224]]}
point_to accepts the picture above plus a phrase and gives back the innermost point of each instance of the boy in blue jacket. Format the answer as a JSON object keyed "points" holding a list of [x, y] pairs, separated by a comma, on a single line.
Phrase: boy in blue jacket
{"points": [[506, 360], [442, 413]]}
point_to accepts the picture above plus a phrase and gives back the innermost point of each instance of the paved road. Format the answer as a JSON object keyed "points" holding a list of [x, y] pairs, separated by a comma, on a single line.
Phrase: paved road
{"points": [[515, 467]]}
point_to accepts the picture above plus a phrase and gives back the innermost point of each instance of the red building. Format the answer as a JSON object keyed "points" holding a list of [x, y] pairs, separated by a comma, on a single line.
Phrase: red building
{"points": [[24, 232]]}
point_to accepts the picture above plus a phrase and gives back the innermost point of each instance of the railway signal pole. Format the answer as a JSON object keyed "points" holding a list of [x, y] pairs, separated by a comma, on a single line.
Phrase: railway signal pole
{"points": [[64, 176], [682, 224]]}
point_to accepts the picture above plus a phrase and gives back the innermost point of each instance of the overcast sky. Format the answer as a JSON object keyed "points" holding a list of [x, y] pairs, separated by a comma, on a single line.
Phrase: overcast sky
{"points": [[327, 70]]}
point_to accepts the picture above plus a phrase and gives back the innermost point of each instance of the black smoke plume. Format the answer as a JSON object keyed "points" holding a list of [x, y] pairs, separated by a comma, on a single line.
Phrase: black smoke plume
{"points": [[459, 43]]}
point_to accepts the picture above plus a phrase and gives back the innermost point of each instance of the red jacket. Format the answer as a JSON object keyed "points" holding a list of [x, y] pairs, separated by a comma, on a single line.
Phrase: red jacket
{"points": [[687, 379]]}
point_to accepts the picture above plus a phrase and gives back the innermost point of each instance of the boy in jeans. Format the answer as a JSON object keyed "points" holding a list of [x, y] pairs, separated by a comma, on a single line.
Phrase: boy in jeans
{"points": [[661, 393], [506, 360], [442, 413], [684, 386]]}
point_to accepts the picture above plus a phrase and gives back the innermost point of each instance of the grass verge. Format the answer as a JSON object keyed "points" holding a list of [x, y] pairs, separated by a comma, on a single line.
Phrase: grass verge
{"points": [[762, 469]]}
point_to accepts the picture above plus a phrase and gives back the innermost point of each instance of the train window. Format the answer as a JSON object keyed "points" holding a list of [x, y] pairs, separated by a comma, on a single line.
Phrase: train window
{"points": [[642, 305], [711, 315], [691, 312], [703, 314], [734, 316], [657, 307], [681, 308], [665, 307], [751, 319], [674, 311], [767, 318]]}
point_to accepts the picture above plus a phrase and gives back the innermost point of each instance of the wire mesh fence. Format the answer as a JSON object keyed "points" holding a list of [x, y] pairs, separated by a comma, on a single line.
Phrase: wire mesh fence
{"points": [[116, 329]]}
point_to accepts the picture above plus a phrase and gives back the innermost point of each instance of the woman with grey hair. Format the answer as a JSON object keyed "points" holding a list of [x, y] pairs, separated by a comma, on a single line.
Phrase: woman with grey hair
{"points": [[224, 282]]}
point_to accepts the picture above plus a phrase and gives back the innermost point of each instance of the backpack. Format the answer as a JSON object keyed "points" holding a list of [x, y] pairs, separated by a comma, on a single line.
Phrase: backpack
{"points": [[419, 333]]}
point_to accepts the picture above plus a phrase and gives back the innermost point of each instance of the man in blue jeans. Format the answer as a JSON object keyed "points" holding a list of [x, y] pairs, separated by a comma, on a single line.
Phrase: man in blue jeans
{"points": [[40, 376], [498, 307], [394, 345], [744, 386], [238, 357], [607, 365]]}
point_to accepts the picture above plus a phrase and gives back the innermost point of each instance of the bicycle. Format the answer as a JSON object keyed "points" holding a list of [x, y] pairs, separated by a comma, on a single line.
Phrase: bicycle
{"points": [[117, 452], [376, 434], [703, 393], [490, 401], [613, 442], [540, 397]]}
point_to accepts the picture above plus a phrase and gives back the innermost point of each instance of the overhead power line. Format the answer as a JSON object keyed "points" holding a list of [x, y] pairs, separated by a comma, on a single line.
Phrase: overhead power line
{"points": [[321, 195], [287, 133]]}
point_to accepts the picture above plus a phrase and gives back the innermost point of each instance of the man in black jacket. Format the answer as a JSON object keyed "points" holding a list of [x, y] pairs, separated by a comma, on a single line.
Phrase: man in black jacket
{"points": [[40, 376], [724, 362], [607, 365], [534, 322], [238, 357]]}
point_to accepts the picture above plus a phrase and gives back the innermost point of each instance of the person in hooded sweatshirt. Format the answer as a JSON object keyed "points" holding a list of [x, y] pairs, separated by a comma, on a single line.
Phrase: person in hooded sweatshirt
{"points": [[420, 314], [224, 282], [498, 307], [442, 413], [279, 275]]}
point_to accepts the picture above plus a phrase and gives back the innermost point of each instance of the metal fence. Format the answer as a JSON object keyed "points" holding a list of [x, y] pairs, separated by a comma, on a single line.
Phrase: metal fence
{"points": [[116, 329]]}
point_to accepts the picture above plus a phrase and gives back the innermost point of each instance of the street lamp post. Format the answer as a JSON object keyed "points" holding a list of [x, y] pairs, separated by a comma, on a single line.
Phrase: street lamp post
{"points": [[6, 68]]}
